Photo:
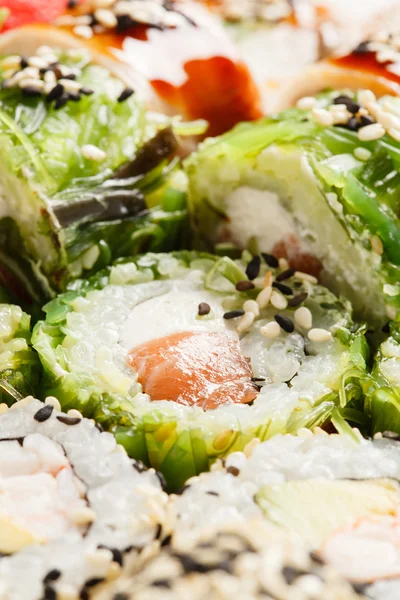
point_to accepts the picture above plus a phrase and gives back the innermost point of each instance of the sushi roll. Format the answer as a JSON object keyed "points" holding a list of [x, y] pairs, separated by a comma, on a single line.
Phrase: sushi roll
{"points": [[175, 54], [339, 494], [82, 168], [372, 64], [20, 367], [73, 506], [187, 357], [318, 185], [251, 561]]}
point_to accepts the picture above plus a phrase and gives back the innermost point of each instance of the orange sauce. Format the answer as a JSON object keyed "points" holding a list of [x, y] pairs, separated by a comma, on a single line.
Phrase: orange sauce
{"points": [[366, 62]]}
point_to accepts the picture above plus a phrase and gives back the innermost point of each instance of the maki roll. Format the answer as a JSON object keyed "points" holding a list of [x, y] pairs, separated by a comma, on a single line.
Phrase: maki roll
{"points": [[173, 53], [187, 357], [20, 367], [372, 64], [73, 505], [338, 493], [82, 164], [318, 185], [252, 561]]}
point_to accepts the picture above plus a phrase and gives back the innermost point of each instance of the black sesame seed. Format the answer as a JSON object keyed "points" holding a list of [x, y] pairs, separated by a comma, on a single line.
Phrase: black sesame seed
{"points": [[52, 575], [366, 120], [72, 3], [284, 289], [94, 581], [233, 471], [162, 583], [233, 314], [69, 420], [290, 574], [353, 107], [49, 593], [316, 558], [31, 91], [285, 323], [86, 91], [352, 124], [391, 435], [117, 556], [271, 260], [158, 533], [74, 96], [124, 22], [139, 466], [43, 413], [166, 541], [253, 268], [125, 94], [212, 493], [61, 101], [255, 379], [84, 595], [23, 62], [285, 275], [70, 76], [55, 92], [296, 300], [362, 48], [204, 309], [244, 285], [99, 427]]}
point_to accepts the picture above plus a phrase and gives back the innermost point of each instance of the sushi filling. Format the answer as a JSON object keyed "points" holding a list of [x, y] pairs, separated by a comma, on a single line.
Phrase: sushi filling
{"points": [[295, 220], [37, 468], [191, 359]]}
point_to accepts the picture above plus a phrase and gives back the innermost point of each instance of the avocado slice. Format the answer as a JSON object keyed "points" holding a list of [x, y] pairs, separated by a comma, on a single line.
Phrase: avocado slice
{"points": [[315, 509]]}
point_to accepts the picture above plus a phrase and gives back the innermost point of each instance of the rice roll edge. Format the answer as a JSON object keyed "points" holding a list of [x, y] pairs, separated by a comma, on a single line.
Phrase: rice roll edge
{"points": [[186, 357]]}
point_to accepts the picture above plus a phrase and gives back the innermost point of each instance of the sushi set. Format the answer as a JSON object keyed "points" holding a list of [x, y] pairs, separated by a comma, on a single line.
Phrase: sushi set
{"points": [[200, 300]]}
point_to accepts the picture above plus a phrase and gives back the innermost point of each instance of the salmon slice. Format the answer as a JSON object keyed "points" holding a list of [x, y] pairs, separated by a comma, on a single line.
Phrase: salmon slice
{"points": [[194, 369]]}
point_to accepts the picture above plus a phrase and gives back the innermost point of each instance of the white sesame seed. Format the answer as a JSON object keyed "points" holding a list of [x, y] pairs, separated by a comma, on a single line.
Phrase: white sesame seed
{"points": [[341, 116], [283, 264], [251, 306], [49, 77], [93, 153], [65, 591], [53, 402], [386, 119], [83, 20], [83, 31], [303, 317], [394, 133], [378, 435], [32, 83], [373, 108], [365, 96], [70, 85], [3, 408], [337, 108], [362, 153], [278, 300], [245, 322], [271, 330], [114, 571], [264, 297], [11, 62], [9, 74], [83, 515], [371, 132], [319, 335], [306, 103], [306, 277], [376, 244], [320, 431], [249, 448], [38, 62], [99, 558], [106, 18], [74, 413], [322, 117]]}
